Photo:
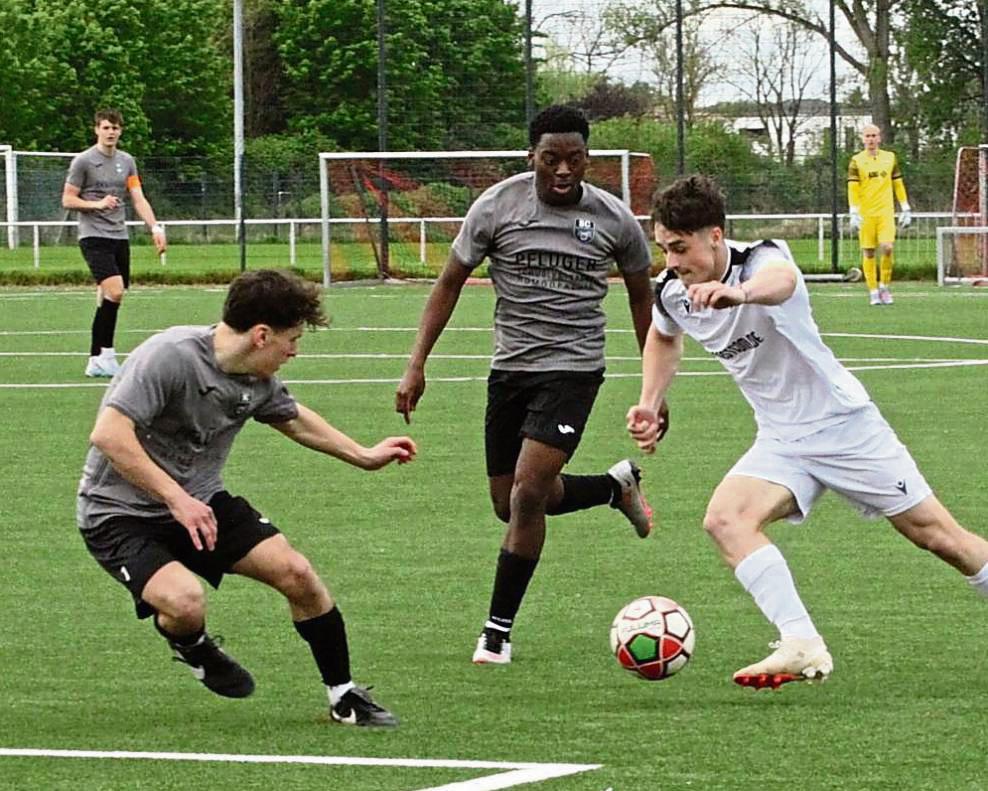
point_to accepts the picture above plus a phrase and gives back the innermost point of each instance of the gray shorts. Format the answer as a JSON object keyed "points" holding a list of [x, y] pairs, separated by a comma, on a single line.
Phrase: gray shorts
{"points": [[861, 459]]}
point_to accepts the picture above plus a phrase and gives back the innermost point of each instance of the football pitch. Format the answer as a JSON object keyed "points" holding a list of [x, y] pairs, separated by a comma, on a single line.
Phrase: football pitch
{"points": [[91, 700]]}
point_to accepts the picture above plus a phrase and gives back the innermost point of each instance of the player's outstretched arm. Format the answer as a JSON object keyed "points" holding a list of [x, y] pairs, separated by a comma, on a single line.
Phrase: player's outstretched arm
{"points": [[114, 435], [439, 307], [648, 420], [313, 431]]}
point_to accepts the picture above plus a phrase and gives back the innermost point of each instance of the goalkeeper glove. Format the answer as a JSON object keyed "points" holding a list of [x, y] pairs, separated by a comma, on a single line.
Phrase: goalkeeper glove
{"points": [[854, 218], [905, 215]]}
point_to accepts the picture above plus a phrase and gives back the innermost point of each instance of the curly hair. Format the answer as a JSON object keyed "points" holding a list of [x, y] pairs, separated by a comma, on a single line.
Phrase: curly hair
{"points": [[280, 299], [558, 119], [689, 204]]}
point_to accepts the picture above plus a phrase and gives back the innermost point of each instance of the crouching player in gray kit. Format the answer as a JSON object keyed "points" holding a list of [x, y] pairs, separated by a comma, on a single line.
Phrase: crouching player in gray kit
{"points": [[152, 507]]}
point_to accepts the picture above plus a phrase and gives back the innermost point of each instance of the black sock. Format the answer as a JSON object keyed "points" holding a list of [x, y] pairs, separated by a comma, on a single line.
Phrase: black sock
{"points": [[104, 327], [326, 636], [181, 641], [584, 491], [109, 310], [96, 336], [510, 583]]}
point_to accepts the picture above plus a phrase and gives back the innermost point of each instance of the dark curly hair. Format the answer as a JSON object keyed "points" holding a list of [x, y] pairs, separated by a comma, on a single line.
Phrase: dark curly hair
{"points": [[558, 119], [280, 299], [690, 204]]}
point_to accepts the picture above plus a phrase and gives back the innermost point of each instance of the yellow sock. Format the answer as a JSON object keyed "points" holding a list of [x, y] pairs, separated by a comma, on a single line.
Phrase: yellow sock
{"points": [[870, 272], [886, 270]]}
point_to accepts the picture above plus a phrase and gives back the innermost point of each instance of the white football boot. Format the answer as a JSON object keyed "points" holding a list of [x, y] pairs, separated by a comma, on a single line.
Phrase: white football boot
{"points": [[794, 659]]}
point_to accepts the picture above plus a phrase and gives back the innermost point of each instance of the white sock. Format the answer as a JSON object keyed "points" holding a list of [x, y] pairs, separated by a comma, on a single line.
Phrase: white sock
{"points": [[980, 581], [766, 576], [338, 691], [107, 352]]}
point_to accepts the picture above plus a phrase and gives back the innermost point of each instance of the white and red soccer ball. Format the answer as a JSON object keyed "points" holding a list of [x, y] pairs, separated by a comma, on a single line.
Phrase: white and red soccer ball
{"points": [[652, 637]]}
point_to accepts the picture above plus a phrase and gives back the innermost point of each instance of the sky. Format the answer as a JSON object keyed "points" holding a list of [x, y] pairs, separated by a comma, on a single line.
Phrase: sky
{"points": [[574, 23]]}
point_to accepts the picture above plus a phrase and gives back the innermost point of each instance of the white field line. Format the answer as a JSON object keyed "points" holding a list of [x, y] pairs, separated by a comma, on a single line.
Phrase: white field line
{"points": [[509, 776], [460, 379], [485, 357], [149, 331]]}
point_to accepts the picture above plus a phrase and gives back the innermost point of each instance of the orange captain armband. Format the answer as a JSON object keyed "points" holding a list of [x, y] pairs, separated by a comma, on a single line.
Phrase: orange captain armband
{"points": [[133, 182]]}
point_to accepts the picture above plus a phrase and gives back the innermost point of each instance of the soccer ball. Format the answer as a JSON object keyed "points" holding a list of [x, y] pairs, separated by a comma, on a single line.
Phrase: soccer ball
{"points": [[652, 637]]}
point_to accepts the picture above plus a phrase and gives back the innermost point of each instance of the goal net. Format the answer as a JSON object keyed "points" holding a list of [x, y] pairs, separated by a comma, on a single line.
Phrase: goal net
{"points": [[962, 249], [395, 213]]}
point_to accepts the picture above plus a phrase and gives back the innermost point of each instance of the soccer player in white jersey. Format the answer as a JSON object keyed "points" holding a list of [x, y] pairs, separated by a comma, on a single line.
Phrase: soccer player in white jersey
{"points": [[551, 240], [817, 427]]}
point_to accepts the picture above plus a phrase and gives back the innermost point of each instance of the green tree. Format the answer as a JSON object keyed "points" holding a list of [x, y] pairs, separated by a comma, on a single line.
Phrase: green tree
{"points": [[942, 54], [155, 60], [454, 70]]}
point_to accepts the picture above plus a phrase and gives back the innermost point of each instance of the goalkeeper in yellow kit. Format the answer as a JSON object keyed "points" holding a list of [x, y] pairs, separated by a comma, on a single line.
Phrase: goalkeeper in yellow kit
{"points": [[872, 178]]}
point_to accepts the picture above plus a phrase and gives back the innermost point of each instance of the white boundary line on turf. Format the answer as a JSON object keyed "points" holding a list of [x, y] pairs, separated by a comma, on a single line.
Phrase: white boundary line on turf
{"points": [[487, 357], [512, 774], [455, 379]]}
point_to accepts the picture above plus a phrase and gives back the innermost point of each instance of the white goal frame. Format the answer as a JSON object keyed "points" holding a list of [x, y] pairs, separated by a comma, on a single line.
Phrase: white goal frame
{"points": [[624, 154], [943, 278], [10, 156]]}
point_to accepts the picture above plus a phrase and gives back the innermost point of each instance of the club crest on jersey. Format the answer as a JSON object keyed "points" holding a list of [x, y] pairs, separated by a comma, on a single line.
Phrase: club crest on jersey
{"points": [[584, 230], [244, 404], [686, 305]]}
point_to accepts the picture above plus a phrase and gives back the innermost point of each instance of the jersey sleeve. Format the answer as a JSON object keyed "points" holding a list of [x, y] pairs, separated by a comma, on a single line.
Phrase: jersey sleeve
{"points": [[661, 319], [473, 242], [663, 324], [853, 183], [279, 407], [153, 376], [634, 253], [77, 172], [773, 252], [899, 184]]}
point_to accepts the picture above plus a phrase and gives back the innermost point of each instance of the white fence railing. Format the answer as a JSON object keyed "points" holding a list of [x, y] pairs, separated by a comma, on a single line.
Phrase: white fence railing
{"points": [[924, 226]]}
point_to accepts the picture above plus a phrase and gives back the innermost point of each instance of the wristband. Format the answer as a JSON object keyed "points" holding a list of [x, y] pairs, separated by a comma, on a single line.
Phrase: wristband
{"points": [[158, 228]]}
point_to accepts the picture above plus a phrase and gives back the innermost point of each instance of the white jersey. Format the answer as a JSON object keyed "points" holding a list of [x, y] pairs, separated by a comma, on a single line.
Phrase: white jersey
{"points": [[775, 353]]}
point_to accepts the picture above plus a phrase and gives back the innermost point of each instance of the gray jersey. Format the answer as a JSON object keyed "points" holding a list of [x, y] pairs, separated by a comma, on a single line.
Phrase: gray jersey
{"points": [[97, 175], [186, 413], [549, 266]]}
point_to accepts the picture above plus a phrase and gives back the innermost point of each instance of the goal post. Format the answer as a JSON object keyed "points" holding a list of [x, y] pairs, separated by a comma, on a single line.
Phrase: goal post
{"points": [[423, 196], [962, 248], [961, 254]]}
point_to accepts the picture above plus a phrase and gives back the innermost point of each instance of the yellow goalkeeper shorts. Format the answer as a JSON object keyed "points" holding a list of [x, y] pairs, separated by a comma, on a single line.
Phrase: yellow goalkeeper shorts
{"points": [[876, 230]]}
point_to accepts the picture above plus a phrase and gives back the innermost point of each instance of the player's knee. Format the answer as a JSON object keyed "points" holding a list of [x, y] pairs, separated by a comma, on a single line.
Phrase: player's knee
{"points": [[722, 525], [112, 291], [185, 605], [502, 508], [296, 577], [528, 497], [942, 539]]}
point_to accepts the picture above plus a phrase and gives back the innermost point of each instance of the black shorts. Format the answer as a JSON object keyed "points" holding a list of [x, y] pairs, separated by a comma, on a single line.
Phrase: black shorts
{"points": [[132, 550], [551, 407], [107, 257]]}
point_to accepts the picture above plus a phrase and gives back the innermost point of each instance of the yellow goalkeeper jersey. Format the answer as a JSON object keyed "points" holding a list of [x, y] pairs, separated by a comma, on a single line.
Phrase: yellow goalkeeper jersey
{"points": [[871, 181]]}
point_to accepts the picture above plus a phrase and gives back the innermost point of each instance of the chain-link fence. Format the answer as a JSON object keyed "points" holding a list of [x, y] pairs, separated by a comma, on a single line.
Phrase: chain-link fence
{"points": [[469, 80]]}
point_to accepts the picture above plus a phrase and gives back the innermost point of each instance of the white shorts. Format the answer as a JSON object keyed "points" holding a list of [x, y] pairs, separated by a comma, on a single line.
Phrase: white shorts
{"points": [[861, 459]]}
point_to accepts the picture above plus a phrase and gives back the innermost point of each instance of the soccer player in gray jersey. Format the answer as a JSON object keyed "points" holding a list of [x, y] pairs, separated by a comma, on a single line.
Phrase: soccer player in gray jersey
{"points": [[817, 427], [551, 240], [98, 180], [152, 506]]}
